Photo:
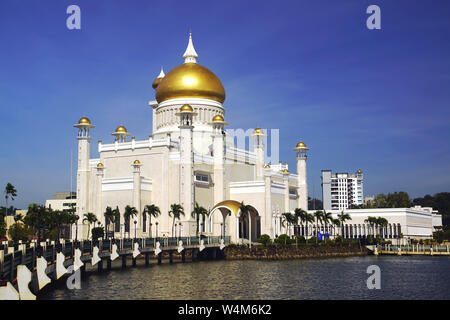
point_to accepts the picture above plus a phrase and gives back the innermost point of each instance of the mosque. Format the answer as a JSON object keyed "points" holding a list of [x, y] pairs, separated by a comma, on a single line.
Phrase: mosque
{"points": [[188, 159]]}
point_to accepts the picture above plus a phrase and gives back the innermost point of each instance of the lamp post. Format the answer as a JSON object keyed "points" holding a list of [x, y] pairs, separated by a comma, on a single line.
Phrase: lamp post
{"points": [[179, 229], [221, 229], [175, 235], [156, 223], [150, 230], [135, 227]]}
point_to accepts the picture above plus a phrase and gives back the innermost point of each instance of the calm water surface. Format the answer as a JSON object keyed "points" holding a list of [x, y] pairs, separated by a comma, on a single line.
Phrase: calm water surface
{"points": [[338, 278]]}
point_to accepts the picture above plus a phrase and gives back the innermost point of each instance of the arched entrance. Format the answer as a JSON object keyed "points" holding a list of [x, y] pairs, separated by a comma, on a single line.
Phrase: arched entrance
{"points": [[242, 225]]}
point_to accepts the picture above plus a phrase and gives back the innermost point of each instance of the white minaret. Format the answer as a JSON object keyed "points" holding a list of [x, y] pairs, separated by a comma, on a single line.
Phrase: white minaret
{"points": [[84, 143], [258, 136], [137, 193], [187, 169], [302, 187]]}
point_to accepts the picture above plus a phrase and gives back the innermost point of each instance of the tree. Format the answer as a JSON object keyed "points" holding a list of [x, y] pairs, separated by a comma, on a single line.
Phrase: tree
{"points": [[381, 222], [304, 217], [127, 214], [151, 211], [198, 212], [290, 219], [336, 224], [318, 217], [326, 218], [342, 217], [315, 204], [245, 210], [10, 192], [176, 211], [2, 223], [90, 218], [372, 221]]}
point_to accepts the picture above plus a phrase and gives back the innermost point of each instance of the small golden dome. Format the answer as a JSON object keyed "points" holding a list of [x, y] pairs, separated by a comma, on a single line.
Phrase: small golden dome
{"points": [[258, 131], [84, 120], [156, 83], [186, 108], [266, 166], [100, 165], [218, 118], [190, 80], [121, 129], [136, 162], [285, 171], [301, 145], [359, 171]]}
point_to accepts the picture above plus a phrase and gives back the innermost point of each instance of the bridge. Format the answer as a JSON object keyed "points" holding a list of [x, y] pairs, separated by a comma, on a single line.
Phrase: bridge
{"points": [[428, 250], [36, 265]]}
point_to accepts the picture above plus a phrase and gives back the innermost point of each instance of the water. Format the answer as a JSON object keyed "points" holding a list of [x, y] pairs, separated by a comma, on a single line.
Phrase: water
{"points": [[339, 278]]}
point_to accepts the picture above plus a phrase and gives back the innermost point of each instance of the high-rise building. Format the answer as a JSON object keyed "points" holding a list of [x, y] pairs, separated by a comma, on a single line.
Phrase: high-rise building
{"points": [[342, 190]]}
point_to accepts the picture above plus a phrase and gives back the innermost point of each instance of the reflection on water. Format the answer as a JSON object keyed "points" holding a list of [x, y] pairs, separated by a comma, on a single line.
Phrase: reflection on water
{"points": [[339, 278]]}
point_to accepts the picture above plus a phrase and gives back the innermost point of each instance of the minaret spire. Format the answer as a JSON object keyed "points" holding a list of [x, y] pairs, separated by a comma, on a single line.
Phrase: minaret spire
{"points": [[161, 74], [190, 55]]}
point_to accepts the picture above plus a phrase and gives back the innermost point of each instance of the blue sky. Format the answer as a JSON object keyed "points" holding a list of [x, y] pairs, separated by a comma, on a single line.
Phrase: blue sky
{"points": [[371, 99]]}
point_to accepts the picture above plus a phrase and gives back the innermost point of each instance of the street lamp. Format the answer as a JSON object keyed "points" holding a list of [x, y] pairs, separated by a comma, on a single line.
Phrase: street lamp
{"points": [[150, 229], [156, 223], [175, 235], [221, 229], [135, 227]]}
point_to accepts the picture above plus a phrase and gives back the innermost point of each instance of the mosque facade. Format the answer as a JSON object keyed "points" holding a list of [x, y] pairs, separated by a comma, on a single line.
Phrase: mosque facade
{"points": [[188, 159]]}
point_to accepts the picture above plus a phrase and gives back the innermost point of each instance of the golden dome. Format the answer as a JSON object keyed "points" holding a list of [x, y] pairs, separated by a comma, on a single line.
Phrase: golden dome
{"points": [[186, 108], [100, 165], [285, 171], [359, 171], [121, 129], [218, 118], [266, 166], [136, 162], [84, 120], [258, 131], [301, 145], [190, 80]]}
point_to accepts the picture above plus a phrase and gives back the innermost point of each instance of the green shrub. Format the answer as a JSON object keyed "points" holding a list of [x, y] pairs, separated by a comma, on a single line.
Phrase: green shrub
{"points": [[283, 239], [301, 239], [21, 232], [264, 239]]}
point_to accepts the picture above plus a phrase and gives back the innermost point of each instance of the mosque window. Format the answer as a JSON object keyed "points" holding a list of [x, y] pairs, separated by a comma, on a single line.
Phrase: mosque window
{"points": [[204, 178]]}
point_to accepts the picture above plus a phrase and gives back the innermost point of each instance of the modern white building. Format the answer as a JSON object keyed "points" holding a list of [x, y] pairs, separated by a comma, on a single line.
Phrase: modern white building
{"points": [[341, 190], [62, 201], [188, 158], [403, 224]]}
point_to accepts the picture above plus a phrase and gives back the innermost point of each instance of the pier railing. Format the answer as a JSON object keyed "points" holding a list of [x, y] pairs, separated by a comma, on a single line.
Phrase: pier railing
{"points": [[414, 249], [27, 253]]}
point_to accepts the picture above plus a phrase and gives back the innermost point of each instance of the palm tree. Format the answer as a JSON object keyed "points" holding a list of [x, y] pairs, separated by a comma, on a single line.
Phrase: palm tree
{"points": [[176, 211], [381, 222], [199, 211], [372, 221], [318, 216], [300, 215], [245, 210], [128, 213], [109, 217], [18, 217], [308, 218], [90, 218], [152, 211], [10, 192], [342, 218], [290, 219], [336, 223], [326, 218]]}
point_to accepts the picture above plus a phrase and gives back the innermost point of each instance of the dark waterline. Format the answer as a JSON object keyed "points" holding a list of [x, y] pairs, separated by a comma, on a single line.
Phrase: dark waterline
{"points": [[339, 278]]}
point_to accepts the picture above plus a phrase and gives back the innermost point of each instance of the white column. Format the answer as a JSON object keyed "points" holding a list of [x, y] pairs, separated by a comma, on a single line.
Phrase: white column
{"points": [[98, 207], [286, 192]]}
